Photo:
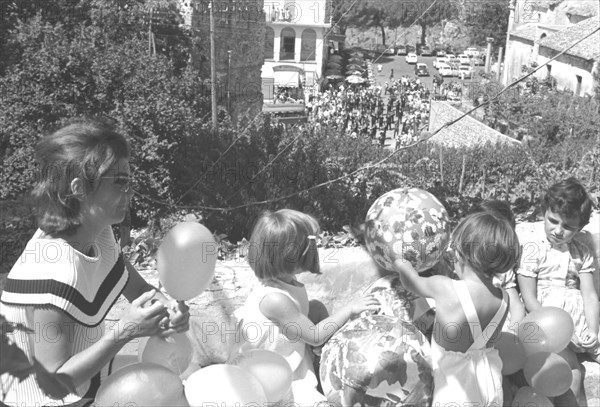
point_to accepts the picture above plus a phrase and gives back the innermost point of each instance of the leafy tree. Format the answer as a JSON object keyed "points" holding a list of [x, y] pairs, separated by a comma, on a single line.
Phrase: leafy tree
{"points": [[485, 19]]}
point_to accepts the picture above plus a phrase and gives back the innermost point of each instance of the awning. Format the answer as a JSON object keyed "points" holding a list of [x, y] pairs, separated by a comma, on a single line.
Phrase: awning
{"points": [[286, 78]]}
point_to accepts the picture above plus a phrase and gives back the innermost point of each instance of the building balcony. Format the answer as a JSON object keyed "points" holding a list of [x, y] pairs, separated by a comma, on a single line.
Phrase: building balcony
{"points": [[299, 12]]}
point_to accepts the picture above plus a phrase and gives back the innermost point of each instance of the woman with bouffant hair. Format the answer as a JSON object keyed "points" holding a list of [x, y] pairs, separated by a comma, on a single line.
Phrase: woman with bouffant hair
{"points": [[72, 271]]}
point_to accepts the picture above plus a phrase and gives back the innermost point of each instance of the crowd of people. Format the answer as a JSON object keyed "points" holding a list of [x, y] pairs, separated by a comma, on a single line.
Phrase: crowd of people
{"points": [[369, 110]]}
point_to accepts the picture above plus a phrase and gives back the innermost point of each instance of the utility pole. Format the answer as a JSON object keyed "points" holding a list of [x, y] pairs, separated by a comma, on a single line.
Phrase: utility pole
{"points": [[511, 20], [229, 81], [488, 54], [150, 31], [213, 65], [499, 64]]}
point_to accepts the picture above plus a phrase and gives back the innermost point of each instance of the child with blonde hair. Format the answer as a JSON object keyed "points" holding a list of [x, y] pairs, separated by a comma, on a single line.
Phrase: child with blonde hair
{"points": [[470, 311], [283, 244]]}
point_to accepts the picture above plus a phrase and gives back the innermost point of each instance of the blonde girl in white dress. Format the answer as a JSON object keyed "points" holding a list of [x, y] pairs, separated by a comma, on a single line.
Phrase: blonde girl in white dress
{"points": [[277, 314]]}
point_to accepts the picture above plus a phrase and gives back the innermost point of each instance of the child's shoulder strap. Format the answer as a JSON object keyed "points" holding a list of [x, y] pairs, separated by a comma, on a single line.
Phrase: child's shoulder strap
{"points": [[468, 307]]}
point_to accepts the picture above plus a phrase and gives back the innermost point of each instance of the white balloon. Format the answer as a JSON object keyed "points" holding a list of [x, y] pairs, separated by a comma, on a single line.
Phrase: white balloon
{"points": [[186, 260], [173, 352], [223, 385]]}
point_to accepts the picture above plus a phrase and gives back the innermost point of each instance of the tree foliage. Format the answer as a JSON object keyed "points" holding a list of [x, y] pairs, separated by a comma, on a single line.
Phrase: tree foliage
{"points": [[487, 19]]}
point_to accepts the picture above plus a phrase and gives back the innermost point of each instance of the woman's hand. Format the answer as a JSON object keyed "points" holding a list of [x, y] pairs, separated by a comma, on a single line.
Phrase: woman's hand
{"points": [[144, 317], [589, 341], [179, 318]]}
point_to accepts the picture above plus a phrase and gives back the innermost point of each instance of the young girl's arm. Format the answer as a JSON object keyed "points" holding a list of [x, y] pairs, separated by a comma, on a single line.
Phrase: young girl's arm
{"points": [[517, 310], [591, 308], [430, 287], [280, 309], [528, 286]]}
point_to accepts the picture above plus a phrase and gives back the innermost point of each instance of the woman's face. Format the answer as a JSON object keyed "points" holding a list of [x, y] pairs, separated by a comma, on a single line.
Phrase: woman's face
{"points": [[109, 203]]}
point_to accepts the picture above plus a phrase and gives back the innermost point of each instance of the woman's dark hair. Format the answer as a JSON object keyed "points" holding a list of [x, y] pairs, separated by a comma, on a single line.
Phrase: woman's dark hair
{"points": [[84, 149]]}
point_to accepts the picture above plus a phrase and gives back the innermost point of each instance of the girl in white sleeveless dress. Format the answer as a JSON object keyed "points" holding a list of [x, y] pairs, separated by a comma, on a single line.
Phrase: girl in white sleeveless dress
{"points": [[277, 314], [470, 312]]}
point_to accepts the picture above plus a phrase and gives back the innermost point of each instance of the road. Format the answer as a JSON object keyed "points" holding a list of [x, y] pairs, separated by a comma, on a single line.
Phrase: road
{"points": [[400, 67]]}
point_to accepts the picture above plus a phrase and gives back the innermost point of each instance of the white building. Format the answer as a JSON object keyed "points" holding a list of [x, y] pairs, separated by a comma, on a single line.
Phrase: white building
{"points": [[295, 43], [541, 29]]}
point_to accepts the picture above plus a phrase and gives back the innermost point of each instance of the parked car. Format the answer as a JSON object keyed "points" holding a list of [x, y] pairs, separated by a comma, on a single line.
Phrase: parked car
{"points": [[464, 59], [389, 50], [440, 53], [425, 50], [444, 69], [410, 48], [479, 61], [421, 69], [439, 60], [471, 52], [411, 58], [455, 68], [401, 50], [450, 55], [466, 71]]}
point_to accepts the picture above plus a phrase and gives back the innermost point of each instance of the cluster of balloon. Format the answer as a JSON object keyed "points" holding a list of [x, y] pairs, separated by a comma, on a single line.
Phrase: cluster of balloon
{"points": [[173, 352], [186, 260], [142, 384], [271, 369], [407, 223], [223, 385], [538, 349]]}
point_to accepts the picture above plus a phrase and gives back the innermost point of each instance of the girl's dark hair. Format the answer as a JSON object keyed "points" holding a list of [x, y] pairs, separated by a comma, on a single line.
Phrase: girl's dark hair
{"points": [[569, 198], [497, 208], [84, 149], [488, 243]]}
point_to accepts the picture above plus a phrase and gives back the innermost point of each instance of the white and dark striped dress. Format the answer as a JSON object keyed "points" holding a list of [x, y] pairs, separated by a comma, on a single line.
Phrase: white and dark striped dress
{"points": [[51, 273]]}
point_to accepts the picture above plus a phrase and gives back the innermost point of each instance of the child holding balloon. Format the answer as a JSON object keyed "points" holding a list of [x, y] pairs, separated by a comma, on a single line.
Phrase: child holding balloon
{"points": [[558, 270], [470, 311], [277, 314]]}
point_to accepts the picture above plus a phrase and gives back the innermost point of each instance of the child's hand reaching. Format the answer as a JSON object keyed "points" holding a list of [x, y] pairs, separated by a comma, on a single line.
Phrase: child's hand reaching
{"points": [[364, 303], [589, 341]]}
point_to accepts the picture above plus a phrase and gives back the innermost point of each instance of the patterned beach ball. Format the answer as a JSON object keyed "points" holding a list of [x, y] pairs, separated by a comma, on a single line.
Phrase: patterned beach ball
{"points": [[407, 223], [377, 360]]}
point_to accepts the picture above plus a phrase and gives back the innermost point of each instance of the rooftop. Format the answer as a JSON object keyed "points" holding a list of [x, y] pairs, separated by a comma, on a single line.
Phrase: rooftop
{"points": [[527, 32], [587, 49], [467, 132]]}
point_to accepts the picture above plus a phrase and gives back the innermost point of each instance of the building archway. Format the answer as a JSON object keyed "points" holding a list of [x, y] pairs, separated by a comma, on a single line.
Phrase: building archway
{"points": [[269, 43], [287, 50], [309, 45]]}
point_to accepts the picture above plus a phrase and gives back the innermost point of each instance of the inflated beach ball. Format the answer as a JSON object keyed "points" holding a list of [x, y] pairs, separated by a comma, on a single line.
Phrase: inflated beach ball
{"points": [[407, 223], [377, 360]]}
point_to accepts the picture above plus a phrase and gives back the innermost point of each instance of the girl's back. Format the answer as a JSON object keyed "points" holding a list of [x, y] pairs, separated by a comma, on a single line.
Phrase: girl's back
{"points": [[452, 331]]}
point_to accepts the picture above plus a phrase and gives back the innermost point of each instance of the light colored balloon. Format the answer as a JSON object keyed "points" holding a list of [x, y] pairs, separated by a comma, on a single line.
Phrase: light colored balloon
{"points": [[548, 329], [173, 352], [142, 384], [548, 373], [511, 352], [223, 385], [527, 397], [186, 260], [271, 369]]}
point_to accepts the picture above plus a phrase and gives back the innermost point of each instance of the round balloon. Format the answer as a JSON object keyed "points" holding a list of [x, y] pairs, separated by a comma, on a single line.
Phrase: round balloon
{"points": [[527, 397], [186, 260], [377, 360], [511, 352], [406, 223], [141, 384], [271, 369], [223, 385], [173, 352], [547, 329], [548, 373]]}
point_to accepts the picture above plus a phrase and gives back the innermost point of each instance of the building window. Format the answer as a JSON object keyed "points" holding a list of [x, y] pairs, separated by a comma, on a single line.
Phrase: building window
{"points": [[578, 85], [269, 43], [288, 44], [309, 45]]}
